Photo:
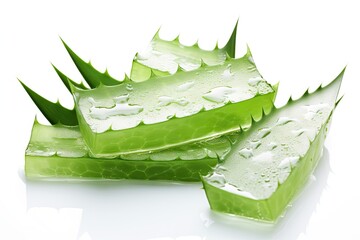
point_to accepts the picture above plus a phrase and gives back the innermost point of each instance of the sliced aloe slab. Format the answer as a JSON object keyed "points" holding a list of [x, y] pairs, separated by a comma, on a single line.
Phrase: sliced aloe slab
{"points": [[274, 159], [172, 110], [56, 113], [60, 152], [163, 57]]}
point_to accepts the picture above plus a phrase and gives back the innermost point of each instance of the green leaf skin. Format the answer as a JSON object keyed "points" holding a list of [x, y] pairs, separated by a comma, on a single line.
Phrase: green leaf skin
{"points": [[54, 112], [67, 81], [163, 57], [60, 152], [172, 110], [273, 160], [92, 76]]}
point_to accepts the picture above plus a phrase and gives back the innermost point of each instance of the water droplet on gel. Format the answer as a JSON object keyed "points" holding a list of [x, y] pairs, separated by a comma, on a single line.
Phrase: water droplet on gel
{"points": [[222, 168], [218, 179], [227, 73], [38, 150], [283, 121], [313, 110], [222, 95], [122, 98], [298, 132], [185, 86], [92, 101], [255, 144], [272, 145], [129, 87], [246, 152], [263, 132], [121, 108], [254, 81], [165, 101], [231, 188], [289, 161]]}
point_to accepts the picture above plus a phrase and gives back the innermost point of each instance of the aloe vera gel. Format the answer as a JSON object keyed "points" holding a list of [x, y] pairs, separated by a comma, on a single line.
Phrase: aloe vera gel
{"points": [[60, 152], [186, 114], [274, 159], [163, 57], [172, 110]]}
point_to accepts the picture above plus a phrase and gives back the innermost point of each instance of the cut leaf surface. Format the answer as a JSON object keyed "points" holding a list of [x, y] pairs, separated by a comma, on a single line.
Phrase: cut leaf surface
{"points": [[172, 110], [59, 151], [163, 57], [274, 159]]}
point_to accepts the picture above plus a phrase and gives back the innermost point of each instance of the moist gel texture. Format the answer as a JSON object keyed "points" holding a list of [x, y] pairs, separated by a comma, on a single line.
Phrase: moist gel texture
{"points": [[272, 160], [60, 151], [163, 57], [172, 110]]}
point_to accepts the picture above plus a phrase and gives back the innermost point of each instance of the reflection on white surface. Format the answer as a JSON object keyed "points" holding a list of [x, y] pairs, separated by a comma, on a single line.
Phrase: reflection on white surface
{"points": [[52, 223], [154, 210]]}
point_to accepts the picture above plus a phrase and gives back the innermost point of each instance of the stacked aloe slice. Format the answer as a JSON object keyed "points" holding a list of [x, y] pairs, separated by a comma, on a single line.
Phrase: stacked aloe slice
{"points": [[186, 114]]}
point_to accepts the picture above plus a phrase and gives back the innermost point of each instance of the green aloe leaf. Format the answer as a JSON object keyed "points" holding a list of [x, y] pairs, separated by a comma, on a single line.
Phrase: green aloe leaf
{"points": [[54, 112], [273, 160], [66, 80], [165, 57], [60, 152], [92, 76], [172, 110]]}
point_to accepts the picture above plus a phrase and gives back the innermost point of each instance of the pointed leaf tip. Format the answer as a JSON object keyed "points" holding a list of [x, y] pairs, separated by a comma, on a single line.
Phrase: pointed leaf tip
{"points": [[248, 51], [65, 79], [202, 63], [339, 100], [157, 34], [230, 46], [53, 112], [179, 69], [91, 75], [336, 83]]}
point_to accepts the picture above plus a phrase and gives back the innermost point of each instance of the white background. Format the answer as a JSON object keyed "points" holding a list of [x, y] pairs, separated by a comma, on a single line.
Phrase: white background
{"points": [[300, 44]]}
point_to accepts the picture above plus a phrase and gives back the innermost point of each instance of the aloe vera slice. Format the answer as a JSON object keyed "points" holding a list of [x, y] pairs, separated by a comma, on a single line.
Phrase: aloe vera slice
{"points": [[172, 110], [94, 78], [274, 159], [60, 152], [163, 57]]}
